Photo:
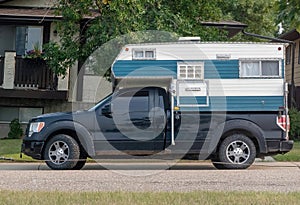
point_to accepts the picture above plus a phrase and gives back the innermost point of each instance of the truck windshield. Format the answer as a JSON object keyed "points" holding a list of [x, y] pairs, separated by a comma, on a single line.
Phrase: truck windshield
{"points": [[101, 102]]}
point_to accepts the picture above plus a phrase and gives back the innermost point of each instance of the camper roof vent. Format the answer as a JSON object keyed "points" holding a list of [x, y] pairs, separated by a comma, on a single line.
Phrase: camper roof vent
{"points": [[191, 39]]}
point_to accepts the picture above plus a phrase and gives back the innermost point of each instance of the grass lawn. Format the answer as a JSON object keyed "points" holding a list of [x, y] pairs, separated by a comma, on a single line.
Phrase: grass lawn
{"points": [[131, 198], [293, 155], [10, 148]]}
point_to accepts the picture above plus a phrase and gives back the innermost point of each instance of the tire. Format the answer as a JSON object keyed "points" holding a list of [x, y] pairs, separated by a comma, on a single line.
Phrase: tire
{"points": [[81, 162], [62, 153], [236, 152], [217, 164]]}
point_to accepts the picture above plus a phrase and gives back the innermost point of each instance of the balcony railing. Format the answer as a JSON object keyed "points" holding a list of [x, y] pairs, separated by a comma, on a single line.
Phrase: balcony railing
{"points": [[34, 73], [1, 69]]}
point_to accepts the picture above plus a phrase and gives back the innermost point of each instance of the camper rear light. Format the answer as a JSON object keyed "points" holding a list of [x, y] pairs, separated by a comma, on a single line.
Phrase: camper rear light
{"points": [[35, 127], [283, 121]]}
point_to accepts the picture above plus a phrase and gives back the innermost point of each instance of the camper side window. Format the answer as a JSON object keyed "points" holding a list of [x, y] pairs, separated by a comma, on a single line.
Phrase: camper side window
{"points": [[143, 54], [260, 68]]}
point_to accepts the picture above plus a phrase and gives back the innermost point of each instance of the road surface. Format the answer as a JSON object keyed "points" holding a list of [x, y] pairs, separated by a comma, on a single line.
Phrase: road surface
{"points": [[183, 177]]}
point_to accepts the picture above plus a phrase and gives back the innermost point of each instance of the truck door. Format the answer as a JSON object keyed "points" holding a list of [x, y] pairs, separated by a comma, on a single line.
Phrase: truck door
{"points": [[161, 103], [129, 122]]}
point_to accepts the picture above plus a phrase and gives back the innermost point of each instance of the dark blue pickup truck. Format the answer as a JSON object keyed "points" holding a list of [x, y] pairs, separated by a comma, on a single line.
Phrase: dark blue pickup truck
{"points": [[138, 123]]}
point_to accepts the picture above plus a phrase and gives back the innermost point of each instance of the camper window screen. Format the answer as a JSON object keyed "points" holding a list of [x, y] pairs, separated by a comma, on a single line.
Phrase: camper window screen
{"points": [[191, 70], [259, 68]]}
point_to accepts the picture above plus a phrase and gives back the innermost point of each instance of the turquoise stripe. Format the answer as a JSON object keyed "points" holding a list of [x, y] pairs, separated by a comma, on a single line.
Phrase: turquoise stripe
{"points": [[193, 100], [212, 69]]}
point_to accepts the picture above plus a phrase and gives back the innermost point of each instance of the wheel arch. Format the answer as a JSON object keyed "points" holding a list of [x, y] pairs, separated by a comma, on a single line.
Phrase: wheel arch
{"points": [[248, 128], [76, 131]]}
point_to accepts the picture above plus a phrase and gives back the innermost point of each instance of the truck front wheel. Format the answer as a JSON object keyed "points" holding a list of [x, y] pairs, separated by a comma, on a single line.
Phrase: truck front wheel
{"points": [[62, 152], [237, 151]]}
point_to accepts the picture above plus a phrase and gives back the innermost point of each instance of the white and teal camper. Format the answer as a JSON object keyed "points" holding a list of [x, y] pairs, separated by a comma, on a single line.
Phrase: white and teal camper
{"points": [[248, 76]]}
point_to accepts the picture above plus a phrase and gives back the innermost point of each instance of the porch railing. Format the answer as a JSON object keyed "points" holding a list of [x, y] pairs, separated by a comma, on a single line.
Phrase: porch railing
{"points": [[1, 69], [34, 73]]}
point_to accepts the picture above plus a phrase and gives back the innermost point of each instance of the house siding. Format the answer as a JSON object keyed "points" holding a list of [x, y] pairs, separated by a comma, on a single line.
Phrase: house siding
{"points": [[29, 3], [297, 67]]}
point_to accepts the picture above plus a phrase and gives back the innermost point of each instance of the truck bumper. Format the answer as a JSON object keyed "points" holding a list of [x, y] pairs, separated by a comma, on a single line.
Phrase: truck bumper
{"points": [[279, 147], [33, 149], [286, 146]]}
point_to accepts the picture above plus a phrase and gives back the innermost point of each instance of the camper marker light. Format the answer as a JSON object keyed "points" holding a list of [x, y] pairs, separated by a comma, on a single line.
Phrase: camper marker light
{"points": [[279, 48], [176, 108], [126, 49], [35, 127]]}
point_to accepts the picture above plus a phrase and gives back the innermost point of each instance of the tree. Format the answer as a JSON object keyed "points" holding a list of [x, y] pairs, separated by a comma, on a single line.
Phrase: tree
{"points": [[259, 15], [80, 36], [289, 14], [114, 18]]}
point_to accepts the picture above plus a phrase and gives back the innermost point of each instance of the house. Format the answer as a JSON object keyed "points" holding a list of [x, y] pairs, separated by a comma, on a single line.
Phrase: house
{"points": [[27, 86], [294, 36]]}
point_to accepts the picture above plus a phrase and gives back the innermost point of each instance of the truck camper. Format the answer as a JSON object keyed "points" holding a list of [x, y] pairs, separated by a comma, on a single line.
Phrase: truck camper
{"points": [[222, 101]]}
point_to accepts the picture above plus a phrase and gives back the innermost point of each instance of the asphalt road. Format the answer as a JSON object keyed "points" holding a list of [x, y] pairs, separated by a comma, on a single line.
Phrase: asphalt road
{"points": [[183, 177]]}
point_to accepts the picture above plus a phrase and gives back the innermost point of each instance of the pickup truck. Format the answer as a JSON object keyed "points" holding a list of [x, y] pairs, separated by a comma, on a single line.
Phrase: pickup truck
{"points": [[137, 122]]}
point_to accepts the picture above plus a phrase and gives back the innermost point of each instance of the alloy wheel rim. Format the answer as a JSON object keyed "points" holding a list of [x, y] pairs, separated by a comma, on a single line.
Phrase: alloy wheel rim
{"points": [[59, 152], [237, 152]]}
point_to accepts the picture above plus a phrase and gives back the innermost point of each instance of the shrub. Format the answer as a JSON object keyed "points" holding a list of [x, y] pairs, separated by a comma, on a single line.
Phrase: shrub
{"points": [[295, 123], [16, 130]]}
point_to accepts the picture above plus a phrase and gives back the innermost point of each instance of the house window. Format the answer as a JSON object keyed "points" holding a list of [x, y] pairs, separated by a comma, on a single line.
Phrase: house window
{"points": [[24, 114], [260, 68], [288, 55], [143, 54], [28, 38], [190, 70]]}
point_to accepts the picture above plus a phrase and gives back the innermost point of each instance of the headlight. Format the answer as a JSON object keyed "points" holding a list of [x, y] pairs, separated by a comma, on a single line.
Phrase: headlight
{"points": [[35, 127]]}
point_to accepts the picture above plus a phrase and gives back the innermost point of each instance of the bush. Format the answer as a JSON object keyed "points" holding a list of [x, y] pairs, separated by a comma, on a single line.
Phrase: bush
{"points": [[16, 131], [295, 123]]}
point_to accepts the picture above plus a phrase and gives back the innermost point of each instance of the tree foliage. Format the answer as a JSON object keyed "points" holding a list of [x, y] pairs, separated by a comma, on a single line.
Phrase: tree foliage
{"points": [[88, 24], [16, 130], [289, 14], [259, 15]]}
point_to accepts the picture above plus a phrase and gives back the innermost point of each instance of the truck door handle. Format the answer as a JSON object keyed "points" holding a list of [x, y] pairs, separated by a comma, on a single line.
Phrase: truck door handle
{"points": [[147, 119]]}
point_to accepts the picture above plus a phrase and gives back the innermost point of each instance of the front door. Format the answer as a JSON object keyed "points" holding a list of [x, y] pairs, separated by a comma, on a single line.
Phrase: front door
{"points": [[130, 122]]}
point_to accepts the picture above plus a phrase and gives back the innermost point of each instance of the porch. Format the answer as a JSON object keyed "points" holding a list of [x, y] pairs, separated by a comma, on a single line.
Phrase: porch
{"points": [[28, 78]]}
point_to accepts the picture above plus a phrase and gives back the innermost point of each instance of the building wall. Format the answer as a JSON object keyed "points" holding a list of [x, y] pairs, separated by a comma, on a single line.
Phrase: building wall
{"points": [[4, 129], [63, 81], [6, 32], [95, 88], [297, 66], [49, 106]]}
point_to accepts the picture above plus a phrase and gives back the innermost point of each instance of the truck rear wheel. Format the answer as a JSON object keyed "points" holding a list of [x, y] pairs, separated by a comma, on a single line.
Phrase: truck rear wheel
{"points": [[236, 152], [62, 152]]}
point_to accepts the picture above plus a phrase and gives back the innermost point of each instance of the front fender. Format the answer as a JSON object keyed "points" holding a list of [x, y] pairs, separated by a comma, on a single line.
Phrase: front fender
{"points": [[84, 136]]}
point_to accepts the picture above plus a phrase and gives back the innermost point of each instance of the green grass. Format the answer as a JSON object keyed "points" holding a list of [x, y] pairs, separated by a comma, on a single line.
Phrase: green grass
{"points": [[144, 198], [293, 155], [10, 148]]}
